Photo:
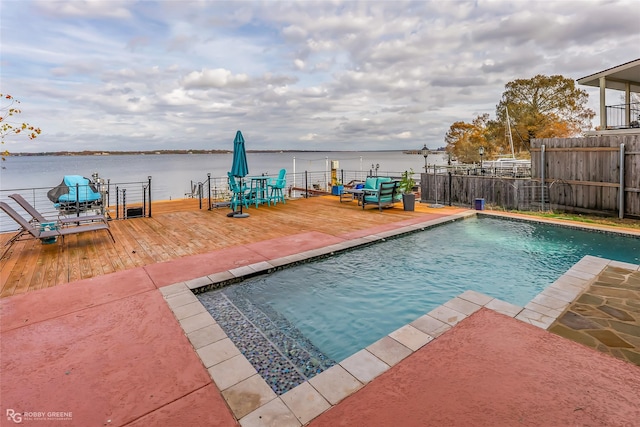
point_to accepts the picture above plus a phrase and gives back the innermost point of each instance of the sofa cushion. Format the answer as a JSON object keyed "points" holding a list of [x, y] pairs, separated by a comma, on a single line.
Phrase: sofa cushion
{"points": [[382, 179], [371, 183]]}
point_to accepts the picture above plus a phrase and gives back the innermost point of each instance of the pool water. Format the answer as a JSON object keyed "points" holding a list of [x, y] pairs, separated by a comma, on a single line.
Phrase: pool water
{"points": [[337, 306]]}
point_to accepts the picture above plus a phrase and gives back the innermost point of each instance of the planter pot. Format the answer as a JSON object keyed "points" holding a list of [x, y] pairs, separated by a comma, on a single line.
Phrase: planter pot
{"points": [[409, 202], [337, 190]]}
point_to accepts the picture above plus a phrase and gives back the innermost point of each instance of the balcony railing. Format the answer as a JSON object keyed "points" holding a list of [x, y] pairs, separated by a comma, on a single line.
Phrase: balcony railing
{"points": [[623, 116]]}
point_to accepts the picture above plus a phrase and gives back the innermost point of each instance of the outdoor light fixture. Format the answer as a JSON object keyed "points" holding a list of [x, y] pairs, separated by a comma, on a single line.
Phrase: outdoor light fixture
{"points": [[481, 152], [425, 153]]}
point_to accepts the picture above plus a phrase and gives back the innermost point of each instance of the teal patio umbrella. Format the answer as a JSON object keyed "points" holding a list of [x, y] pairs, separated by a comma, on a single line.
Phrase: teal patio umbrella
{"points": [[239, 168]]}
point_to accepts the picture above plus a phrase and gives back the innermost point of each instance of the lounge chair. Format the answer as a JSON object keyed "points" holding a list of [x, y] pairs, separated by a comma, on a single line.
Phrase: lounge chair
{"points": [[38, 217], [46, 235]]}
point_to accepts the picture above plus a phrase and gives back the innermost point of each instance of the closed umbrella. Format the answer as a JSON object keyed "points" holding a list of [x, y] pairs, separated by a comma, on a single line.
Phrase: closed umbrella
{"points": [[239, 168]]}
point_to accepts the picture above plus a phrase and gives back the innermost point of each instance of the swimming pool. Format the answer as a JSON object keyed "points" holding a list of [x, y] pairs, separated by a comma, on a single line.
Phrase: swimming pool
{"points": [[324, 311]]}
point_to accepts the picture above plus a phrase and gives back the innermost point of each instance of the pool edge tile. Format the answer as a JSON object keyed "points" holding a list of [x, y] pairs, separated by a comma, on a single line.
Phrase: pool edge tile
{"points": [[335, 384], [205, 336], [305, 402], [193, 323], [389, 350], [463, 306], [504, 307], [447, 315], [430, 325], [241, 397], [176, 288], [411, 337], [364, 366], [273, 413], [218, 352], [231, 371]]}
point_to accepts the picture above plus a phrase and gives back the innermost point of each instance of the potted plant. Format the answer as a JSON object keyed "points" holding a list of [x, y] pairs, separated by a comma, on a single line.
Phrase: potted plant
{"points": [[405, 185], [337, 188]]}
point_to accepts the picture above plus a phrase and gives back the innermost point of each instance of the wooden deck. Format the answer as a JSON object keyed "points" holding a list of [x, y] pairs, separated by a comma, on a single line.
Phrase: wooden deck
{"points": [[177, 229]]}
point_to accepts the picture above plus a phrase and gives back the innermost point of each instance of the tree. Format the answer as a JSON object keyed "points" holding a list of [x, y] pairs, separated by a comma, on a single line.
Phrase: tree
{"points": [[464, 139], [540, 107], [8, 128], [544, 107]]}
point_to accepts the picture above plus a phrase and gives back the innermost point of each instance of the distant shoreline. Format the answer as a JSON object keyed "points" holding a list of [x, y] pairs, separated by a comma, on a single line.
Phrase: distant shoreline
{"points": [[156, 152]]}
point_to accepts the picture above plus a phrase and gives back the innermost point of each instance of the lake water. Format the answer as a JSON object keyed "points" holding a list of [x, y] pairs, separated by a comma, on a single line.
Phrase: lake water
{"points": [[172, 174]]}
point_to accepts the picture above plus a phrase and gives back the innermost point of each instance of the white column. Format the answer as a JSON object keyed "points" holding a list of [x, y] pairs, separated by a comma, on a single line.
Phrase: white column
{"points": [[603, 105]]}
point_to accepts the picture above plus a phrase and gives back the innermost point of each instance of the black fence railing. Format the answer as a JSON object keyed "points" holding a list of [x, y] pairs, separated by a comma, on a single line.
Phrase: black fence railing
{"points": [[214, 192], [120, 200], [623, 116]]}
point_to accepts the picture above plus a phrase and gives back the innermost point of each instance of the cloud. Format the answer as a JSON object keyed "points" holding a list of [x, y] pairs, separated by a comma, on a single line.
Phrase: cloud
{"points": [[113, 9], [218, 78], [109, 74]]}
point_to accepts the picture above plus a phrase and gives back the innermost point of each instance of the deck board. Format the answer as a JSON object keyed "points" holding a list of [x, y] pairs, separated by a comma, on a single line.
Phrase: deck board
{"points": [[179, 228]]}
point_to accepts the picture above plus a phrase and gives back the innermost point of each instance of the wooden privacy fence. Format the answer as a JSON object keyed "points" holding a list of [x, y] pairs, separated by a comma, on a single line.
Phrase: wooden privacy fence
{"points": [[577, 175], [585, 174]]}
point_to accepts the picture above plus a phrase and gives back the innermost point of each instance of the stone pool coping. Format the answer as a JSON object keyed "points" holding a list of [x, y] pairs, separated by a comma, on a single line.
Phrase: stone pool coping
{"points": [[253, 402]]}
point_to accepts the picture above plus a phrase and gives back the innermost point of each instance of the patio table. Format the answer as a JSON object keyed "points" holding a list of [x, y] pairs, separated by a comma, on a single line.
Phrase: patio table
{"points": [[348, 194], [259, 189]]}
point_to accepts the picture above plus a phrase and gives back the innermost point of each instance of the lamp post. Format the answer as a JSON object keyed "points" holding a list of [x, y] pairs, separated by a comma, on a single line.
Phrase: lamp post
{"points": [[425, 153], [481, 152]]}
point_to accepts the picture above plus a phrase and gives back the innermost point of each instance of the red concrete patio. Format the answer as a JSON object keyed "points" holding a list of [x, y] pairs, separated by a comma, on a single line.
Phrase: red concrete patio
{"points": [[493, 370], [110, 351]]}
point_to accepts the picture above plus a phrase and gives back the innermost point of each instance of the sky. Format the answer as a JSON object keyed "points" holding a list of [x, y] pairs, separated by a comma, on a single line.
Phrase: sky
{"points": [[326, 75]]}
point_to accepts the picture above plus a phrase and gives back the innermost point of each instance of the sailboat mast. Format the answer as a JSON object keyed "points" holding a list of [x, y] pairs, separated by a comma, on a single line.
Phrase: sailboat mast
{"points": [[513, 155]]}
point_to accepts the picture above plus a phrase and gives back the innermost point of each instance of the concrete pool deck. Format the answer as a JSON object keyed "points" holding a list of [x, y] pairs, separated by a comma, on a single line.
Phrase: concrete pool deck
{"points": [[122, 349]]}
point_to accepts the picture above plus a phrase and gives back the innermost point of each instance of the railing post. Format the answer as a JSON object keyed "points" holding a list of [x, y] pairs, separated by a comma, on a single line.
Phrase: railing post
{"points": [[77, 199], [149, 188], [118, 202], [209, 189], [306, 185], [124, 204], [144, 200]]}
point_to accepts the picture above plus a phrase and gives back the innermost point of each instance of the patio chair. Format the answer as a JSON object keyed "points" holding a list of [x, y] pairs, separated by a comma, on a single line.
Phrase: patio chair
{"points": [[37, 232], [38, 217], [276, 187], [385, 196], [237, 193]]}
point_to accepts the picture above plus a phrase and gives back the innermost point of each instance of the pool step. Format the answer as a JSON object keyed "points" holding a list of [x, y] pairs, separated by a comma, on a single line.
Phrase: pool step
{"points": [[276, 349]]}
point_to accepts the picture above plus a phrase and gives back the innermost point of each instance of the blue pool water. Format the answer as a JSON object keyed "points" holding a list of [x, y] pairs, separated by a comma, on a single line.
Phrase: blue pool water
{"points": [[339, 305]]}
